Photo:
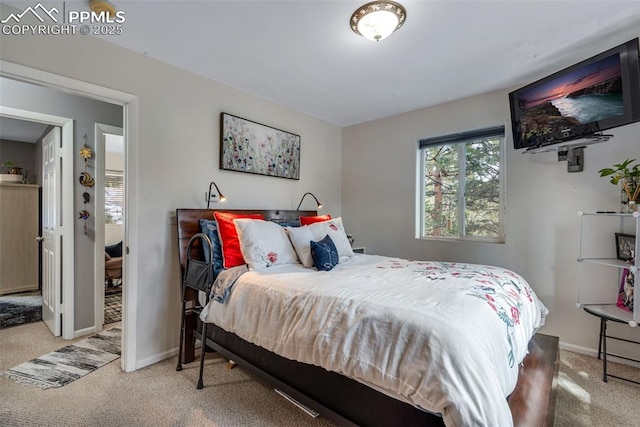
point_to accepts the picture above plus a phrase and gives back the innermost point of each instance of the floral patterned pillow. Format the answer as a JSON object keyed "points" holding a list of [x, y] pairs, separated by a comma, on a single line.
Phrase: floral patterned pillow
{"points": [[301, 237], [264, 243], [335, 230]]}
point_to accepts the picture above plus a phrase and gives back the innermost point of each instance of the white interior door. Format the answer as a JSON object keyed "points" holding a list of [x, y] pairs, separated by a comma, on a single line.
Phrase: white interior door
{"points": [[51, 232]]}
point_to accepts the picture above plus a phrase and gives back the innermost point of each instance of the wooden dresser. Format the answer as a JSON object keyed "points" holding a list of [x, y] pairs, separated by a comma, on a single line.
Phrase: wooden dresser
{"points": [[19, 216]]}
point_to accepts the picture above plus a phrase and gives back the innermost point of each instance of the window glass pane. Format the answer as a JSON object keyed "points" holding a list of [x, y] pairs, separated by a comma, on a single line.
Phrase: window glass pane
{"points": [[441, 191], [113, 197], [482, 188], [462, 191]]}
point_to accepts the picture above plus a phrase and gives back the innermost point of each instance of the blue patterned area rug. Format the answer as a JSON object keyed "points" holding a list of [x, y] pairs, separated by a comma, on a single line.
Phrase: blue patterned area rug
{"points": [[69, 363], [18, 310]]}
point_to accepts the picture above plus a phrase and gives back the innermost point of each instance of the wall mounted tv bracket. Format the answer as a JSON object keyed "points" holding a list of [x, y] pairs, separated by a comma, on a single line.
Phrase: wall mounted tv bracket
{"points": [[572, 152]]}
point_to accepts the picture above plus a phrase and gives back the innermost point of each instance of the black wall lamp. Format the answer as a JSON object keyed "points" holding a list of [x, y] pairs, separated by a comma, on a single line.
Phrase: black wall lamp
{"points": [[221, 197], [314, 197]]}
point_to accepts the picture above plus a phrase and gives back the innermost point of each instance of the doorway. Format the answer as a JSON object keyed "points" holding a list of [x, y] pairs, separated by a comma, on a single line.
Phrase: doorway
{"points": [[129, 104], [110, 223], [60, 280]]}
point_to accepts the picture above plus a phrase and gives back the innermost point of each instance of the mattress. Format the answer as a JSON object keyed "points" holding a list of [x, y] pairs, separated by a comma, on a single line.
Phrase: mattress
{"points": [[444, 337]]}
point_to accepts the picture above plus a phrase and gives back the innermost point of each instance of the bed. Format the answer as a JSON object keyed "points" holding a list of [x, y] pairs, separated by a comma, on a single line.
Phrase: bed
{"points": [[433, 367]]}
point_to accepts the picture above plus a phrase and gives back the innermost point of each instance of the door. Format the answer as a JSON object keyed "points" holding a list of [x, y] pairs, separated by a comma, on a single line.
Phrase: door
{"points": [[51, 232]]}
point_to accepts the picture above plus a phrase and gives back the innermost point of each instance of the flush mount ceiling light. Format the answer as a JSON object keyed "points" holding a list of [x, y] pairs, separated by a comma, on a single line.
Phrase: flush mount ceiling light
{"points": [[99, 6], [378, 19]]}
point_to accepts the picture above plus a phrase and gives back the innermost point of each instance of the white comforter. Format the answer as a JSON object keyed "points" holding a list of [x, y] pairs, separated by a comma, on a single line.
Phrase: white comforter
{"points": [[444, 337]]}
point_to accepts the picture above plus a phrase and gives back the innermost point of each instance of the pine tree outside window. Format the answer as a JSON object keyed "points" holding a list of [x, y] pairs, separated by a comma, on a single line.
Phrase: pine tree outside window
{"points": [[113, 197], [462, 186]]}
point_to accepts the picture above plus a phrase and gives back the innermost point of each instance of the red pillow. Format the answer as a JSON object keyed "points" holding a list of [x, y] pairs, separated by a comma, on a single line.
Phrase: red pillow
{"points": [[231, 254], [306, 220]]}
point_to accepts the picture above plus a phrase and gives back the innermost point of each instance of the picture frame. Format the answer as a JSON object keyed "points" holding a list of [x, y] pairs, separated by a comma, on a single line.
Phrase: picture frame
{"points": [[251, 147], [625, 246]]}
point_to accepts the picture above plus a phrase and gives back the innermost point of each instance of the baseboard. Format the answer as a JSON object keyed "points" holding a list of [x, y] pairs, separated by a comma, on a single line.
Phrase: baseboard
{"points": [[85, 331], [156, 358], [594, 353], [578, 349]]}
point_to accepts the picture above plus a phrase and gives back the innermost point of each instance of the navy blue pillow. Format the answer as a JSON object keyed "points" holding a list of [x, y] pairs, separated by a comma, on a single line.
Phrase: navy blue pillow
{"points": [[210, 228], [324, 254], [114, 251]]}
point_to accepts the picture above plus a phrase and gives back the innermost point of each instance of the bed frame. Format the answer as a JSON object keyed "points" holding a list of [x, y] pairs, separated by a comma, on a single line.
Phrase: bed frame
{"points": [[341, 399]]}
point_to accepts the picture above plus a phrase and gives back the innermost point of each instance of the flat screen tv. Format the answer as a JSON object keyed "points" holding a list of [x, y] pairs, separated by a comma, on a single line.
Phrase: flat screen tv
{"points": [[599, 93]]}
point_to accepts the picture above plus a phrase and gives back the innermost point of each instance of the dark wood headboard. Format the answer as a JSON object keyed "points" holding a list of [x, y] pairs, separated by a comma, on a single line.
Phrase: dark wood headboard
{"points": [[188, 224]]}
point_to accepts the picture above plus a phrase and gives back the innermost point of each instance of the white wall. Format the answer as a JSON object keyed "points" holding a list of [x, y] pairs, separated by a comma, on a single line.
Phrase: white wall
{"points": [[22, 154], [178, 133], [542, 200]]}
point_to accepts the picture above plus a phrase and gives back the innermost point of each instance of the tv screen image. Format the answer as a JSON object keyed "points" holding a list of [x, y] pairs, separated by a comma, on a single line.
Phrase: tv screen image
{"points": [[594, 95]]}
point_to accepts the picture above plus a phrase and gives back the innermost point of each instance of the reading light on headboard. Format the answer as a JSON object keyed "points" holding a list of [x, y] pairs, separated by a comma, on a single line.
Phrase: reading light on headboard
{"points": [[314, 197], [221, 197]]}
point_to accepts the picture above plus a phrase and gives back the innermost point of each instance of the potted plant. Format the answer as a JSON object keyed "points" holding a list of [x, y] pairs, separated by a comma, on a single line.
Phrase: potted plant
{"points": [[629, 179], [9, 172]]}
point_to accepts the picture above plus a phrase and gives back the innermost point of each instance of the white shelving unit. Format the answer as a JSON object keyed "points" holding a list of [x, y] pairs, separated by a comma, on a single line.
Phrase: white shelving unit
{"points": [[598, 289], [590, 255]]}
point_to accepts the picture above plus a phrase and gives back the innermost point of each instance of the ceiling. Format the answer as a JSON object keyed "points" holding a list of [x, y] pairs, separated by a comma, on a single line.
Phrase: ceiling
{"points": [[304, 56], [20, 130]]}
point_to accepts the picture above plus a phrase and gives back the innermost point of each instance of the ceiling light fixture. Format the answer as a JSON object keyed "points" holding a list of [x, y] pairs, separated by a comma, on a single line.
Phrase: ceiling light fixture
{"points": [[100, 6], [378, 19]]}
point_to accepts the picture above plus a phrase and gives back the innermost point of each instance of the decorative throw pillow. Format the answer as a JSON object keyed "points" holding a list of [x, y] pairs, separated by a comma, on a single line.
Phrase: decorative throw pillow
{"points": [[264, 243], [209, 228], [307, 220], [114, 251], [324, 254], [300, 238], [231, 254], [335, 230]]}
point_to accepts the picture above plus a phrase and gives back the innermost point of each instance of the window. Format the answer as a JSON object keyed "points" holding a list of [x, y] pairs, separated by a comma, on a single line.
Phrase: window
{"points": [[462, 186], [113, 197]]}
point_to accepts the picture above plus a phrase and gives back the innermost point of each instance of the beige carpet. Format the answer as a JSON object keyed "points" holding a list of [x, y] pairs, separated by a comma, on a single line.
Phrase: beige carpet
{"points": [[160, 396]]}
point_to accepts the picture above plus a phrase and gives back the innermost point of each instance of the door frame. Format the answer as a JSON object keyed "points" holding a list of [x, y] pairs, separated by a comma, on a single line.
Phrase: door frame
{"points": [[68, 218], [130, 105], [99, 216]]}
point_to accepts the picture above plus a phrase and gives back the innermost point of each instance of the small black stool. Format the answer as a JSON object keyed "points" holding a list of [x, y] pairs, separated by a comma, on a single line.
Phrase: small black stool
{"points": [[598, 311]]}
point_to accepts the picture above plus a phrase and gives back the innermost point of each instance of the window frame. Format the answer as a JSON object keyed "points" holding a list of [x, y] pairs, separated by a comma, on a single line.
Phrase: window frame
{"points": [[462, 139]]}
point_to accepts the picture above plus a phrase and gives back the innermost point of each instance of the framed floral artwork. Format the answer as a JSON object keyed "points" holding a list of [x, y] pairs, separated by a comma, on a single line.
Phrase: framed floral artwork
{"points": [[251, 147]]}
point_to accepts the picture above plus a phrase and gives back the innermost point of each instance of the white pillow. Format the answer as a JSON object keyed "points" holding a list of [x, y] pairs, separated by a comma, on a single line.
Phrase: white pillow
{"points": [[264, 243], [301, 238], [335, 230]]}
